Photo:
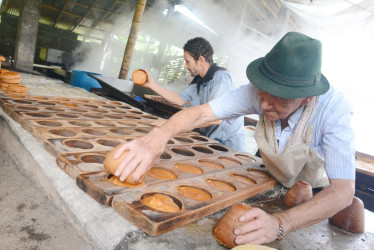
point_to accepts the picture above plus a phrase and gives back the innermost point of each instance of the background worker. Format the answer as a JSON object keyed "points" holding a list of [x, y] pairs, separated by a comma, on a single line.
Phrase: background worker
{"points": [[209, 82], [304, 134]]}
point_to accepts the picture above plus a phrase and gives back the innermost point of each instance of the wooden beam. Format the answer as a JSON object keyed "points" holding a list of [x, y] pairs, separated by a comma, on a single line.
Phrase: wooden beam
{"points": [[138, 14], [53, 8], [84, 16], [269, 9], [260, 19], [93, 8], [61, 12]]}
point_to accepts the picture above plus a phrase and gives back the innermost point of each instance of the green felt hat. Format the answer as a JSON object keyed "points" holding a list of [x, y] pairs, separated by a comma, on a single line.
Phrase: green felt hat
{"points": [[292, 69]]}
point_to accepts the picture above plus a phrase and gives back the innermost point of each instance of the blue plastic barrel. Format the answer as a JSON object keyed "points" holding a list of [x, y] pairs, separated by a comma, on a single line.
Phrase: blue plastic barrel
{"points": [[81, 79]]}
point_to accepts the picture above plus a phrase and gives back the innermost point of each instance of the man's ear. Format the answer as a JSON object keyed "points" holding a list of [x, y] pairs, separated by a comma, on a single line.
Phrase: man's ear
{"points": [[201, 59], [307, 100]]}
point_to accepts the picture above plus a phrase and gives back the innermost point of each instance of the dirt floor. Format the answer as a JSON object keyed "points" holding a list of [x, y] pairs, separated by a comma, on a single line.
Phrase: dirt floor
{"points": [[28, 219]]}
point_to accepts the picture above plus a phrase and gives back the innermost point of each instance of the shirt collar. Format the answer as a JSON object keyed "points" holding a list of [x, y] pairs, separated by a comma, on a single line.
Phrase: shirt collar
{"points": [[294, 118]]}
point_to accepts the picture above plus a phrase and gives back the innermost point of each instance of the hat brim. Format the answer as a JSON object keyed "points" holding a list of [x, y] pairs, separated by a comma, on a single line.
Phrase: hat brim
{"points": [[264, 83]]}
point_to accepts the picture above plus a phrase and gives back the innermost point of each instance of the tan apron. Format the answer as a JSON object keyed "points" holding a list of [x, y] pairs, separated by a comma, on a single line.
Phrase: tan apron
{"points": [[298, 162]]}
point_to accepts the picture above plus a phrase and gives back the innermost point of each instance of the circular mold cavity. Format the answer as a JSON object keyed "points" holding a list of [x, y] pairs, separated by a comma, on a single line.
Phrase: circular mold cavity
{"points": [[93, 158], [116, 103], [245, 157], [211, 164], [131, 117], [44, 115], [90, 106], [116, 181], [29, 108], [119, 131], [79, 110], [162, 173], [182, 151], [141, 130], [199, 138], [115, 116], [93, 116], [99, 110], [40, 98], [22, 102], [108, 143], [49, 123], [125, 107], [150, 117], [221, 185], [183, 139], [194, 193], [162, 202], [80, 123], [136, 112], [218, 148], [188, 168], [171, 142], [243, 178], [47, 103], [62, 132], [105, 123], [93, 132], [127, 123], [61, 99], [78, 144], [119, 111], [165, 156], [67, 115], [257, 173], [148, 124], [98, 101], [228, 161], [109, 106], [202, 149], [55, 109], [67, 104]]}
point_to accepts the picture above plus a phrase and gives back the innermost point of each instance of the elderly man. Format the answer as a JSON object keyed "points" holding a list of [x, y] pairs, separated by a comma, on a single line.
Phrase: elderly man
{"points": [[209, 82], [304, 134]]}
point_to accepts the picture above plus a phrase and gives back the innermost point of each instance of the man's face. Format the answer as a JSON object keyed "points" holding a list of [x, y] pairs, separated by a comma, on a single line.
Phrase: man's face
{"points": [[276, 108], [194, 67]]}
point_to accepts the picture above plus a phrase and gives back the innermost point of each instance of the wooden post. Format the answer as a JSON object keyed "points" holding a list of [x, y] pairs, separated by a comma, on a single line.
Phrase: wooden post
{"points": [[138, 14]]}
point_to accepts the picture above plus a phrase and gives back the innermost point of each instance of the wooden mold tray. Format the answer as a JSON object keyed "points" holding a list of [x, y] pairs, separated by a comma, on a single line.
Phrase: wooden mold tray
{"points": [[97, 185], [174, 148], [243, 182]]}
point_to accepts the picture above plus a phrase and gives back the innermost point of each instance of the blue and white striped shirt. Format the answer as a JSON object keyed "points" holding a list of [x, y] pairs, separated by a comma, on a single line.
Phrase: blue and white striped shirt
{"points": [[333, 136]]}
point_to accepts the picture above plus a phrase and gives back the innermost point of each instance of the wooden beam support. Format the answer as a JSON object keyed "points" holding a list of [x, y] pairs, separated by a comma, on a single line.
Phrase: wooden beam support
{"points": [[138, 14], [61, 12], [85, 15]]}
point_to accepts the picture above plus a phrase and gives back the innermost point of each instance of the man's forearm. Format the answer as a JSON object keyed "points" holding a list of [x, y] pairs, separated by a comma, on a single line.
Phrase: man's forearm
{"points": [[169, 95], [186, 120], [322, 206]]}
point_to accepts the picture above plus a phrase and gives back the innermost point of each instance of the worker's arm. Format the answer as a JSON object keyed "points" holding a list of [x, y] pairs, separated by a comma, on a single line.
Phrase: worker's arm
{"points": [[146, 150], [263, 228], [169, 95], [160, 122]]}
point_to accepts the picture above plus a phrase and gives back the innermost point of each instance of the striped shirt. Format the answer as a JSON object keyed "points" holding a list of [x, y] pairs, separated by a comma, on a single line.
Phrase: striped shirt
{"points": [[333, 136]]}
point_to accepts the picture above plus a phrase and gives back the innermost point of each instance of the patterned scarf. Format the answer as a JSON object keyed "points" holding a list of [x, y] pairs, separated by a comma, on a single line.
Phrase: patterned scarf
{"points": [[299, 135]]}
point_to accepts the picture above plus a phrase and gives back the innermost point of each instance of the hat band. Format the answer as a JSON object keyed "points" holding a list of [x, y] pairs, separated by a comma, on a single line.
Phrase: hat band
{"points": [[280, 79]]}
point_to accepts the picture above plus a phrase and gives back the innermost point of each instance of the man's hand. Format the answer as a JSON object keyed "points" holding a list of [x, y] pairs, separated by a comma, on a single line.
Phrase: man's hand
{"points": [[260, 228], [149, 83], [144, 152]]}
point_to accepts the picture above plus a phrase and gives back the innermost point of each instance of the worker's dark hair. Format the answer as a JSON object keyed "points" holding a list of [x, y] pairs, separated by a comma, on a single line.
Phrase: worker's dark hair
{"points": [[199, 46]]}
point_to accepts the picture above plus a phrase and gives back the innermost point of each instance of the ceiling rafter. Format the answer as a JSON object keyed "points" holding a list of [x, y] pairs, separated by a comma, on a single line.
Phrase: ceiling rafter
{"points": [[84, 16], [61, 12]]}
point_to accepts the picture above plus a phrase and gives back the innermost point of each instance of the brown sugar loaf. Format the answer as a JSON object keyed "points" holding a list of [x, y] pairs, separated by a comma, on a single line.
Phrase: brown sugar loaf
{"points": [[224, 229], [111, 165], [10, 77], [139, 76], [18, 88]]}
